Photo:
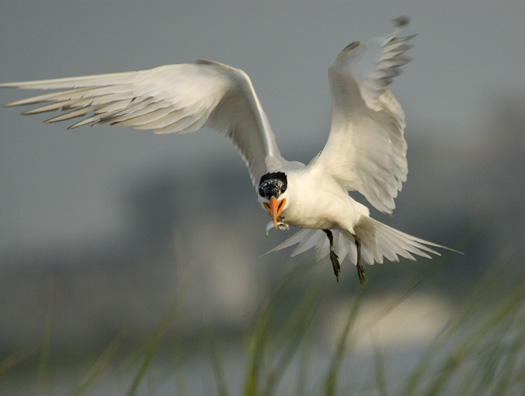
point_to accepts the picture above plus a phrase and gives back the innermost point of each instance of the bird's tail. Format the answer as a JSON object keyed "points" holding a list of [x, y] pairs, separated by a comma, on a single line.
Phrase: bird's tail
{"points": [[378, 241], [381, 241]]}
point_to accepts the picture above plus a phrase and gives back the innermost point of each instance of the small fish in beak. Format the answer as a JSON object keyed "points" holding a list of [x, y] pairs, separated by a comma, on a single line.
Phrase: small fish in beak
{"points": [[280, 225]]}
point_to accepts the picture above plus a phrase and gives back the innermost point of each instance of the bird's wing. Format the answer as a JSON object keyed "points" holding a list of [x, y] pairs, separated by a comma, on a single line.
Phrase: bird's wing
{"points": [[169, 99], [366, 149]]}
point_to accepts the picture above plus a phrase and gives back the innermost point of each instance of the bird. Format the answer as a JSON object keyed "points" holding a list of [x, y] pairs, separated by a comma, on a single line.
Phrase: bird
{"points": [[365, 149]]}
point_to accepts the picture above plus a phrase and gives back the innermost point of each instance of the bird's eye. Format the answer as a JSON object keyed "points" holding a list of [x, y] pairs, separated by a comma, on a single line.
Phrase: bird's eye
{"points": [[283, 188]]}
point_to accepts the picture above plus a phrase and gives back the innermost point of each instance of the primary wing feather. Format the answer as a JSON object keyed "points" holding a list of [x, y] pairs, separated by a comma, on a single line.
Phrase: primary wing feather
{"points": [[169, 99], [366, 149]]}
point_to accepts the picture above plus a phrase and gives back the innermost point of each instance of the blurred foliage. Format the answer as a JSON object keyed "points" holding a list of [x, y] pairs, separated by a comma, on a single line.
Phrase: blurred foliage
{"points": [[481, 350]]}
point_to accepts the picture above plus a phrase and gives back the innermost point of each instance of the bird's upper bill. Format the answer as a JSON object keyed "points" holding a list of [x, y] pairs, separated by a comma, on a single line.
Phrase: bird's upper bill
{"points": [[275, 207]]}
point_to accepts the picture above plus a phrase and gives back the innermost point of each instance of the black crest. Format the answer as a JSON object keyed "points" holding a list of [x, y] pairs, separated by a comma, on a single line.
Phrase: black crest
{"points": [[272, 184]]}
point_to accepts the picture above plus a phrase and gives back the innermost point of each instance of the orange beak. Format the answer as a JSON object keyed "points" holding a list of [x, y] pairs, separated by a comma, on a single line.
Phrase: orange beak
{"points": [[275, 208]]}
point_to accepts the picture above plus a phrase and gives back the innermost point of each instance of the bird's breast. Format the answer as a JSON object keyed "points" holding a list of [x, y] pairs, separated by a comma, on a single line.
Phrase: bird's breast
{"points": [[317, 203]]}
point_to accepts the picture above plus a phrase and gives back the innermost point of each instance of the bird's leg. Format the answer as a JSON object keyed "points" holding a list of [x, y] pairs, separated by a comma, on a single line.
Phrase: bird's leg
{"points": [[333, 256], [359, 264]]}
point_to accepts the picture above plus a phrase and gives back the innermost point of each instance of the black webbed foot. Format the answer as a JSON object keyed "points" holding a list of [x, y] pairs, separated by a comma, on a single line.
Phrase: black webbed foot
{"points": [[333, 256], [335, 264], [359, 265]]}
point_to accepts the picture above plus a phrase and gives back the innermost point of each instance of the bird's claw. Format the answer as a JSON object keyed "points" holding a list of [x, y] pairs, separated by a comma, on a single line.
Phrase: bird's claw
{"points": [[335, 264], [361, 274], [359, 264], [333, 256]]}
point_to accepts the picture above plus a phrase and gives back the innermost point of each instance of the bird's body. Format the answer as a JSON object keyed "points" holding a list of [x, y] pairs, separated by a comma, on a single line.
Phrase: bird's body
{"points": [[365, 150], [320, 202]]}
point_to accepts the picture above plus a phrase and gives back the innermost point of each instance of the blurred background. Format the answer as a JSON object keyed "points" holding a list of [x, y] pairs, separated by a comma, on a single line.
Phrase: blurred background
{"points": [[101, 228]]}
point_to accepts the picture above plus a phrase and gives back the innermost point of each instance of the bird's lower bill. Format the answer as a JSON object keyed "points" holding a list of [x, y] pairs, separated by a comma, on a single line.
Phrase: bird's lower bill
{"points": [[275, 207]]}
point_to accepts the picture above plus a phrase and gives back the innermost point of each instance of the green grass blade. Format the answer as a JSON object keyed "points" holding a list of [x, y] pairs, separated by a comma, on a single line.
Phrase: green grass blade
{"points": [[13, 360], [99, 367], [379, 369], [330, 383], [152, 344], [218, 372], [277, 334], [465, 310], [461, 354], [46, 338], [293, 332]]}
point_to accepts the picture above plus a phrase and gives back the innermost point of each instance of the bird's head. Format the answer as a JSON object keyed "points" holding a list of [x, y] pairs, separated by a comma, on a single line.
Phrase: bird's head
{"points": [[272, 189]]}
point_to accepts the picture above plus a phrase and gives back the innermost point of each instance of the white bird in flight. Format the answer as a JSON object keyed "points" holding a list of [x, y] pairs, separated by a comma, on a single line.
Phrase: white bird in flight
{"points": [[365, 151]]}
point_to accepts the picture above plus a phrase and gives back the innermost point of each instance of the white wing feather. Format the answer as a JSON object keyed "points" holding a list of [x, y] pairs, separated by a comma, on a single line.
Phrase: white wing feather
{"points": [[366, 149], [169, 99]]}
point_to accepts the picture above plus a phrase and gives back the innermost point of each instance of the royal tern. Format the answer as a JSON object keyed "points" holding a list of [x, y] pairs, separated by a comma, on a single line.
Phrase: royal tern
{"points": [[365, 150]]}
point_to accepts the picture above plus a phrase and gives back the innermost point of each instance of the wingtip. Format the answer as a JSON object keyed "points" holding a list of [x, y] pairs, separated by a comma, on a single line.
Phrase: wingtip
{"points": [[401, 21], [13, 104], [352, 45], [8, 85]]}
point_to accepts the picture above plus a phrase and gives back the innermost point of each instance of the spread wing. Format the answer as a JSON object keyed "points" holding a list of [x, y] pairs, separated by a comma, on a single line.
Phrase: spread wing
{"points": [[169, 99], [366, 149]]}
